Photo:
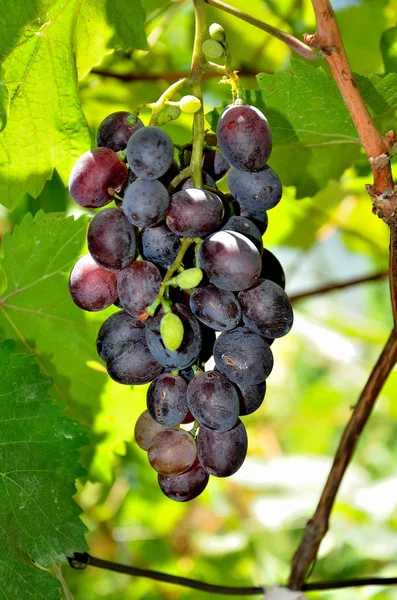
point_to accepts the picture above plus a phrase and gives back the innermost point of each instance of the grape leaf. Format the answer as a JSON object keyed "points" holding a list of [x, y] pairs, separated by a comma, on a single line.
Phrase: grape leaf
{"points": [[44, 49], [388, 46], [36, 308], [314, 139], [39, 463]]}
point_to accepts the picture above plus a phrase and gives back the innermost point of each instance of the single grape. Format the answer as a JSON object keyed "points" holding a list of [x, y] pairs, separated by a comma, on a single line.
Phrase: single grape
{"points": [[138, 285], [222, 453], [217, 32], [172, 452], [218, 309], [167, 400], [258, 191], [230, 260], [172, 331], [131, 363], [267, 309], [213, 49], [172, 172], [145, 430], [215, 164], [213, 400], [194, 213], [186, 486], [150, 152], [258, 217], [112, 239], [188, 279], [115, 131], [272, 269], [160, 245], [95, 176], [188, 352], [207, 180], [118, 328], [91, 287], [189, 104], [146, 203], [247, 228], [244, 137], [243, 356], [251, 397]]}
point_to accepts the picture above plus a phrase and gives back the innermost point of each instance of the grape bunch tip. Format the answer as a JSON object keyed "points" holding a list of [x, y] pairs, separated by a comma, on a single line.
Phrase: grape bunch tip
{"points": [[188, 271]]}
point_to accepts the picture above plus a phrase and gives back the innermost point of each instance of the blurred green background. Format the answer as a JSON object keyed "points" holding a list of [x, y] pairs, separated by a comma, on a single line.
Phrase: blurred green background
{"points": [[244, 530]]}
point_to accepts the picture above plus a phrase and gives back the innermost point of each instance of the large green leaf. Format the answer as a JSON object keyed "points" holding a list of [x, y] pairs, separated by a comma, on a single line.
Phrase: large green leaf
{"points": [[36, 308], [314, 139], [45, 48], [388, 46], [39, 450]]}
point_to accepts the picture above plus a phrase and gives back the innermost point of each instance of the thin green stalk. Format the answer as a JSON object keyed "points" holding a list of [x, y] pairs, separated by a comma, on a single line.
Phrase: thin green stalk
{"points": [[198, 62]]}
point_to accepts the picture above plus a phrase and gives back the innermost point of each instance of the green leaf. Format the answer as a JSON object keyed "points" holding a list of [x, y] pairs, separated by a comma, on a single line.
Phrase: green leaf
{"points": [[388, 46], [36, 308], [39, 463], [4, 103], [314, 139], [46, 50]]}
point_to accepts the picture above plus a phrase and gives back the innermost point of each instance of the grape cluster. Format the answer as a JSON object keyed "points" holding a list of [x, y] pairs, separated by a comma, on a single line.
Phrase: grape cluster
{"points": [[188, 270]]}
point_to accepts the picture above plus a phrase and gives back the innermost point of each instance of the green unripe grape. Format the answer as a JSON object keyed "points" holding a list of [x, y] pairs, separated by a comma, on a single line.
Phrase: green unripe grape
{"points": [[213, 49], [172, 112], [171, 329], [189, 104], [132, 119], [217, 32], [189, 279]]}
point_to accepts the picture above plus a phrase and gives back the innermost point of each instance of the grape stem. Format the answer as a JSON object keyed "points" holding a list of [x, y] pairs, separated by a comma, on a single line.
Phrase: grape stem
{"points": [[197, 68], [296, 45], [166, 97], [186, 242]]}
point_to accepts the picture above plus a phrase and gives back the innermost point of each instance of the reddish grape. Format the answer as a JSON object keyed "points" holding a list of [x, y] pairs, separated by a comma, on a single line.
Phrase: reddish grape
{"points": [[267, 309], [230, 260], [138, 285], [91, 287], [222, 453], [194, 213], [95, 175], [213, 400], [244, 137], [118, 328], [172, 452], [167, 400], [111, 239], [115, 131], [145, 430], [131, 363], [186, 486]]}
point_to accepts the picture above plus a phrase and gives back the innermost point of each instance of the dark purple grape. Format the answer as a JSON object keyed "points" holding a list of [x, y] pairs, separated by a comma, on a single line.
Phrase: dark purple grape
{"points": [[172, 172], [267, 309], [145, 430], [244, 137], [194, 213], [272, 269], [172, 452], [188, 352], [207, 180], [247, 228], [160, 245], [186, 486], [111, 239], [258, 217], [218, 309], [230, 260], [166, 399], [259, 191], [95, 175], [209, 338], [251, 397], [222, 453], [131, 363], [215, 164], [243, 356], [138, 285], [213, 400], [118, 328], [91, 287], [150, 152], [146, 203], [115, 131]]}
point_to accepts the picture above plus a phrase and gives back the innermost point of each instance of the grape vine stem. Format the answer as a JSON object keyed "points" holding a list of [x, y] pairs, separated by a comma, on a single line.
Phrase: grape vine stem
{"points": [[197, 68], [383, 192]]}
